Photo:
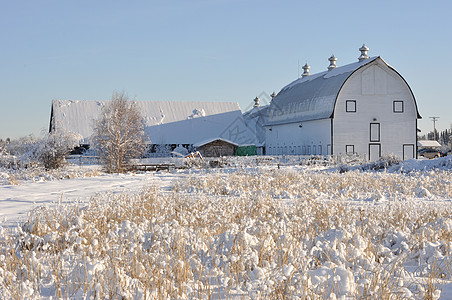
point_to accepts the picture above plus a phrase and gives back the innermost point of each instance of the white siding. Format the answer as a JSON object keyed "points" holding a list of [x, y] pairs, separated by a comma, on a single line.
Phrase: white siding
{"points": [[374, 87], [291, 139]]}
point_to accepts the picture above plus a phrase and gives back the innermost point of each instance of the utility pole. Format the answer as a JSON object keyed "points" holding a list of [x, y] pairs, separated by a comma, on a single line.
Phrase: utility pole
{"points": [[434, 126]]}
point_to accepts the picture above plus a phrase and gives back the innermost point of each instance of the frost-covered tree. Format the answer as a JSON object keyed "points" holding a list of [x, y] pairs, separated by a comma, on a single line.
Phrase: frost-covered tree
{"points": [[4, 155], [119, 133], [53, 148], [50, 150], [21, 152]]}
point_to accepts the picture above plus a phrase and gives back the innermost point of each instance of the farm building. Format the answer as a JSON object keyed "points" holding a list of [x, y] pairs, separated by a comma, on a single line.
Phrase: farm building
{"points": [[216, 147], [364, 107], [168, 124]]}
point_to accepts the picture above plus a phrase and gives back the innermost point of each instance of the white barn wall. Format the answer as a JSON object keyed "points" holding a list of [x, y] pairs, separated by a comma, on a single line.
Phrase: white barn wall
{"points": [[291, 139], [375, 87]]}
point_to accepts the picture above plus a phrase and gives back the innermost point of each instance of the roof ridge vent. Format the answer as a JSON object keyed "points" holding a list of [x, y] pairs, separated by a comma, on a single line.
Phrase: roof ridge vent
{"points": [[363, 55], [332, 60], [306, 71]]}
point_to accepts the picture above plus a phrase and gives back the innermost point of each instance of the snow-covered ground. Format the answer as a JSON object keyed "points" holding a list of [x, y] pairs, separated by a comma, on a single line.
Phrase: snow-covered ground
{"points": [[17, 200], [254, 229]]}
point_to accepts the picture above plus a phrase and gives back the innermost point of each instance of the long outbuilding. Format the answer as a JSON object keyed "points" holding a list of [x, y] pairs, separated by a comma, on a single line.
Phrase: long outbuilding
{"points": [[168, 124]]}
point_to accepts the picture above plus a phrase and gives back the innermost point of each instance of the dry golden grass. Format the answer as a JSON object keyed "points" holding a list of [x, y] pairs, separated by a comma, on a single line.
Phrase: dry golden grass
{"points": [[262, 234]]}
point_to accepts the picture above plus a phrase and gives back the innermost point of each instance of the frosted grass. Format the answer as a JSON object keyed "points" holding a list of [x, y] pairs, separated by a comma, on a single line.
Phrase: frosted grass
{"points": [[256, 233]]}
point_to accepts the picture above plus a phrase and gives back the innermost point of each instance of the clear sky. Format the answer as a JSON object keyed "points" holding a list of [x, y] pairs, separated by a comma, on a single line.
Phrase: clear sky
{"points": [[209, 50]]}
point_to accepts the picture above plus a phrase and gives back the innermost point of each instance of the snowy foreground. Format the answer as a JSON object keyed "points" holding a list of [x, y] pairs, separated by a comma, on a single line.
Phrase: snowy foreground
{"points": [[246, 231]]}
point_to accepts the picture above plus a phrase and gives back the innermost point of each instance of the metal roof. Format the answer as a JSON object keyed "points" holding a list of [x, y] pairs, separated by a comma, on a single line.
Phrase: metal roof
{"points": [[166, 122], [312, 97]]}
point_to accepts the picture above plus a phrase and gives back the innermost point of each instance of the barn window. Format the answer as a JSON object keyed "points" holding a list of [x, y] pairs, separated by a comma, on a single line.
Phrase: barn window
{"points": [[314, 150], [397, 106], [303, 151], [350, 106], [350, 149], [320, 150], [308, 152]]}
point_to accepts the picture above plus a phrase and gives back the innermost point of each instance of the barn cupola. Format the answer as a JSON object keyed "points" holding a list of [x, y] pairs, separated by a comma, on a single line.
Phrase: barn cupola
{"points": [[363, 55], [306, 71], [256, 102], [332, 60]]}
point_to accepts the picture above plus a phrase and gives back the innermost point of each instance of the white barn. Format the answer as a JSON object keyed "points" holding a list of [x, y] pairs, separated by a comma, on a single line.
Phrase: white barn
{"points": [[364, 107]]}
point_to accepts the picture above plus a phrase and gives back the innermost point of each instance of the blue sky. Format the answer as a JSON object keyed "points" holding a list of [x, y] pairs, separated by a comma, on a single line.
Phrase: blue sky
{"points": [[210, 50]]}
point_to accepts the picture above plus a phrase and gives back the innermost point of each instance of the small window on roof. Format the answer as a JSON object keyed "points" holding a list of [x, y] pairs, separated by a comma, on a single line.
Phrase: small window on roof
{"points": [[397, 106], [350, 105]]}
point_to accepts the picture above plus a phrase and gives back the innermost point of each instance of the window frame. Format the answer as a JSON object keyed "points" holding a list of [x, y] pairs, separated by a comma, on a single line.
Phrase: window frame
{"points": [[394, 107], [347, 108], [347, 147]]}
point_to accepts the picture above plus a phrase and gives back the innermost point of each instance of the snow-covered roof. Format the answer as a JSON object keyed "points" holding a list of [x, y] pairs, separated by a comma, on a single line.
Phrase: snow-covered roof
{"points": [[208, 141], [425, 143], [312, 97], [228, 125], [167, 122]]}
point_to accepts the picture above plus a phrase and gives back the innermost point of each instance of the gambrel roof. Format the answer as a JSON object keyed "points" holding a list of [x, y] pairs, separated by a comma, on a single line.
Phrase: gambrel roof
{"points": [[313, 97]]}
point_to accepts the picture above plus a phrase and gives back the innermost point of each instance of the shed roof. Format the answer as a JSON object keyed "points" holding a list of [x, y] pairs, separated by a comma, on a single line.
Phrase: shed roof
{"points": [[312, 97]]}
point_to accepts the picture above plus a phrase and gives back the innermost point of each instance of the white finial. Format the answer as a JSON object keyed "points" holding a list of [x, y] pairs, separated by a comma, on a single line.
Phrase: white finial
{"points": [[256, 102], [306, 71], [363, 55], [332, 60]]}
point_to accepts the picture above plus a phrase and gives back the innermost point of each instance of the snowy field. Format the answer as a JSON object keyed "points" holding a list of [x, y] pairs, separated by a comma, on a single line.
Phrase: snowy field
{"points": [[252, 229]]}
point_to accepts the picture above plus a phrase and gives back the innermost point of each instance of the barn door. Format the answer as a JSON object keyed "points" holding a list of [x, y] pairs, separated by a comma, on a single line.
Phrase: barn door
{"points": [[408, 151], [374, 139], [374, 132], [374, 152]]}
